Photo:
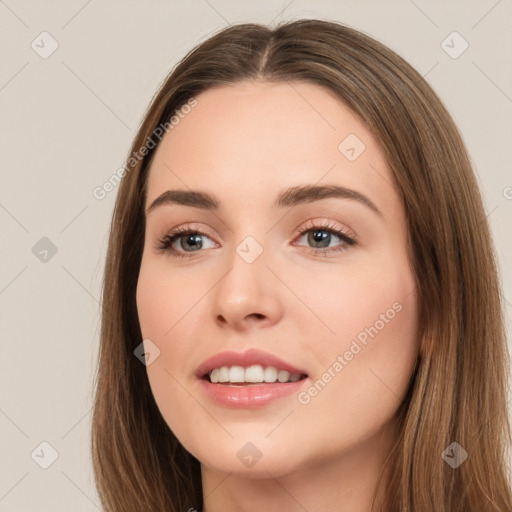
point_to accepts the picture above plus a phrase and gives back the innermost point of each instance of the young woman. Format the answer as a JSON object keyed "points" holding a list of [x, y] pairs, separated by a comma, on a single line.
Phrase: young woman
{"points": [[301, 306]]}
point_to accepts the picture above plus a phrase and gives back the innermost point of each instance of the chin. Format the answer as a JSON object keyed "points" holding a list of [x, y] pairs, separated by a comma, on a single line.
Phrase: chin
{"points": [[249, 459]]}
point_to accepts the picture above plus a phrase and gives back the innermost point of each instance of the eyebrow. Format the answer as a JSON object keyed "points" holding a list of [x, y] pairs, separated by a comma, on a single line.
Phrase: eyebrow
{"points": [[292, 196]]}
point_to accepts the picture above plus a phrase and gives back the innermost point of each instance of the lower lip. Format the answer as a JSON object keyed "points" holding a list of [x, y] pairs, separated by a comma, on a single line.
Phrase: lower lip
{"points": [[249, 396]]}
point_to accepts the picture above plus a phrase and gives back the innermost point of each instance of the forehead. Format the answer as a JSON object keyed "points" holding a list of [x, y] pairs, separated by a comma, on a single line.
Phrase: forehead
{"points": [[248, 140]]}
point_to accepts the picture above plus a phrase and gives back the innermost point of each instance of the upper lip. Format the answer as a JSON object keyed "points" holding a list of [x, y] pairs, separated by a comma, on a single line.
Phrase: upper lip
{"points": [[248, 358]]}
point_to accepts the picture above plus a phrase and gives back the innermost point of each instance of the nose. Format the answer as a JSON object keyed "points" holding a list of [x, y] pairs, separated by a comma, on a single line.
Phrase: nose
{"points": [[249, 295]]}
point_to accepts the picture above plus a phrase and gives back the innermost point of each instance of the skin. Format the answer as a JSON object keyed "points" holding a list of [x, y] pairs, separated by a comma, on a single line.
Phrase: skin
{"points": [[244, 143]]}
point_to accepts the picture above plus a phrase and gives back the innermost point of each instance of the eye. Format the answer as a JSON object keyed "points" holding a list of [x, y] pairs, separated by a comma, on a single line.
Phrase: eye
{"points": [[321, 236], [186, 238]]}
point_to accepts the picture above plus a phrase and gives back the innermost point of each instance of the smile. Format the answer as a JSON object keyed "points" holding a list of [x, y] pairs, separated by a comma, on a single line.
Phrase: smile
{"points": [[248, 379], [251, 375]]}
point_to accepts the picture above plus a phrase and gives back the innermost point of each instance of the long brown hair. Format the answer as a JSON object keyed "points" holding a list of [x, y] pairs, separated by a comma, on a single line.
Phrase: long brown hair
{"points": [[458, 392]]}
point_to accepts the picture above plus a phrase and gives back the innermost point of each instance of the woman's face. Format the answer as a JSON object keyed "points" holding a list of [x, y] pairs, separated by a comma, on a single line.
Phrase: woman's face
{"points": [[334, 307]]}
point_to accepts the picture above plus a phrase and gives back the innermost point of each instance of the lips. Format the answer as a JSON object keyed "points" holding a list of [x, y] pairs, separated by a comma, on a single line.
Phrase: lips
{"points": [[248, 391], [247, 359]]}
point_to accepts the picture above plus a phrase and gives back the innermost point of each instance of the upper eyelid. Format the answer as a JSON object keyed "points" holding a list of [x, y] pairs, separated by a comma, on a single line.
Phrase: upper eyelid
{"points": [[328, 226]]}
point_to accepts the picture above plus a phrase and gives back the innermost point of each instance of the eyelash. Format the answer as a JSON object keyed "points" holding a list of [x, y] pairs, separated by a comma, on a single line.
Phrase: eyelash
{"points": [[164, 244]]}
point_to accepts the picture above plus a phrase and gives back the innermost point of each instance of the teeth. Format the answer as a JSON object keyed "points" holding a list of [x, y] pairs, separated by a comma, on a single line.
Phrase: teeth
{"points": [[252, 374], [224, 374], [270, 374], [236, 374], [283, 376]]}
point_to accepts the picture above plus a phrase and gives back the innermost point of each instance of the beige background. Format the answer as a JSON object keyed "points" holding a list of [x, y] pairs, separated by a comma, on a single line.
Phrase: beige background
{"points": [[66, 123]]}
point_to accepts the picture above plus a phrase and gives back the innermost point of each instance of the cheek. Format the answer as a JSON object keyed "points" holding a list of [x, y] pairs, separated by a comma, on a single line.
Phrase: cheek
{"points": [[365, 299], [164, 299], [165, 306], [168, 310], [365, 366]]}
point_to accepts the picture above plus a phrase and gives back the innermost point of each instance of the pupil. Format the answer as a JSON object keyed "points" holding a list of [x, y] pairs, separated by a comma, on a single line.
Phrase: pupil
{"points": [[320, 236], [195, 240]]}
